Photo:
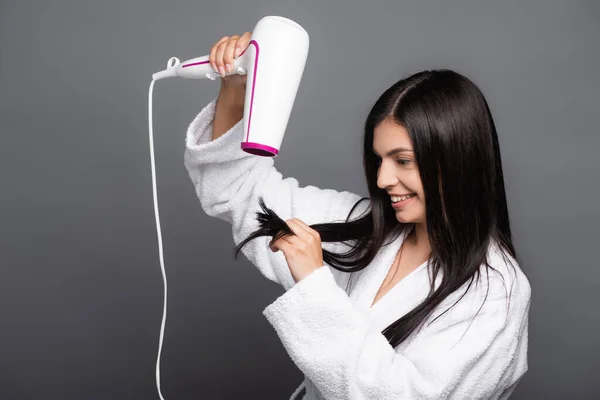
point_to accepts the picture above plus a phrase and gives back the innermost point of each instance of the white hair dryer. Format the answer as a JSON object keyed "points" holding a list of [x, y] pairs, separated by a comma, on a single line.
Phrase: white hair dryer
{"points": [[274, 62]]}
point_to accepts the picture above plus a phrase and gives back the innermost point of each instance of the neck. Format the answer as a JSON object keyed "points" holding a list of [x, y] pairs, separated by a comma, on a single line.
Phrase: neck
{"points": [[418, 237]]}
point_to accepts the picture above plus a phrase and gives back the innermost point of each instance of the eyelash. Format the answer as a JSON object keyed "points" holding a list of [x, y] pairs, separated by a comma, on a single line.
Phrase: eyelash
{"points": [[402, 161]]}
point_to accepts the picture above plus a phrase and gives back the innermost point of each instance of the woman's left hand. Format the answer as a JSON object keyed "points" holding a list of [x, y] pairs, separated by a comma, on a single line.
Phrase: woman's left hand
{"points": [[302, 251]]}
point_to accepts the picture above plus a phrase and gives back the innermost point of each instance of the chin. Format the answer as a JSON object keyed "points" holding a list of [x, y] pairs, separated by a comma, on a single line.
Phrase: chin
{"points": [[409, 219], [404, 219]]}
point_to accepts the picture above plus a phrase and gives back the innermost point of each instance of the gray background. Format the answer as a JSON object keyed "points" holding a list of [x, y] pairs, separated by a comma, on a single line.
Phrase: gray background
{"points": [[81, 289]]}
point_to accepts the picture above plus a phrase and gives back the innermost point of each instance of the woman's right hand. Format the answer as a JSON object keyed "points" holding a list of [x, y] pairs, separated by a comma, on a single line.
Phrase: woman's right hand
{"points": [[223, 53]]}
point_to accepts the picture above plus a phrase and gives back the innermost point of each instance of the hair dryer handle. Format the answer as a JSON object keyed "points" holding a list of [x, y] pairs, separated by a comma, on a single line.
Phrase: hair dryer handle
{"points": [[197, 68]]}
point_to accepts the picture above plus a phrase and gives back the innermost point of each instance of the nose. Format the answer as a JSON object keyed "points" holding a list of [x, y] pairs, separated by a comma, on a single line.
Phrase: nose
{"points": [[386, 177]]}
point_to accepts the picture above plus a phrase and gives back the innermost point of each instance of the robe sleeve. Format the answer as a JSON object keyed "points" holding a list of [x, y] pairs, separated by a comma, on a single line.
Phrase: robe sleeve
{"points": [[334, 345], [229, 181]]}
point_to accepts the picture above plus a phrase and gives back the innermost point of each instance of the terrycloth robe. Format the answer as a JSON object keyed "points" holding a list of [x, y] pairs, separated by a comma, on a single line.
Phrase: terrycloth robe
{"points": [[476, 350]]}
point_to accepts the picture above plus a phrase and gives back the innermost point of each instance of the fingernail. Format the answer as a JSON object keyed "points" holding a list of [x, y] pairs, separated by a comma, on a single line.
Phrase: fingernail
{"points": [[237, 52], [228, 66], [222, 71]]}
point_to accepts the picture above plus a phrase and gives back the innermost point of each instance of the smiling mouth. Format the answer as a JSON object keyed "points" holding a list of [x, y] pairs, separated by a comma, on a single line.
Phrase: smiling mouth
{"points": [[397, 199]]}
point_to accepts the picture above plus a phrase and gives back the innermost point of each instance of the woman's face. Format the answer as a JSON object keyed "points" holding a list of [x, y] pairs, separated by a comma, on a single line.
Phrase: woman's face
{"points": [[398, 172]]}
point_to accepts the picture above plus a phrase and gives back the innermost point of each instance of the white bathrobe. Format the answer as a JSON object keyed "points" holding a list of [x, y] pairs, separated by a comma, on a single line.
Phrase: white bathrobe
{"points": [[334, 337]]}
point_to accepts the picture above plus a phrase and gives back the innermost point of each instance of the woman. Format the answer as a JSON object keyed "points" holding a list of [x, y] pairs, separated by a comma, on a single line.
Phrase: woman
{"points": [[412, 293]]}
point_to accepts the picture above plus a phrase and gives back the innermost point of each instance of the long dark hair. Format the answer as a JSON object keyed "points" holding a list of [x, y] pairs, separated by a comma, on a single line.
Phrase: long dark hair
{"points": [[458, 157]]}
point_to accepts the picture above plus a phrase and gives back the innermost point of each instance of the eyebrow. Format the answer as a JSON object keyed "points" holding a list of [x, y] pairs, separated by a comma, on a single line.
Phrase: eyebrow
{"points": [[394, 151]]}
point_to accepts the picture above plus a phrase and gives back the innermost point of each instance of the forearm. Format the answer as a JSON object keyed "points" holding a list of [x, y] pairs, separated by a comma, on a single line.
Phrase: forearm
{"points": [[229, 109]]}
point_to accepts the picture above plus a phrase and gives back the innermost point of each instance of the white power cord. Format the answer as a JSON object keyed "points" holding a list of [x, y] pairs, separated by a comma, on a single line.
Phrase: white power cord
{"points": [[160, 247]]}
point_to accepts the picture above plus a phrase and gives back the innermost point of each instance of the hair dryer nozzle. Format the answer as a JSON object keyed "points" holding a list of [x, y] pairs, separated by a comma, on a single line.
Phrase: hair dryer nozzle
{"points": [[169, 72]]}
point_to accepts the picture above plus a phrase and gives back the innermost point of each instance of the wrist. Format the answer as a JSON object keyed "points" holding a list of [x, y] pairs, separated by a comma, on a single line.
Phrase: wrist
{"points": [[233, 96]]}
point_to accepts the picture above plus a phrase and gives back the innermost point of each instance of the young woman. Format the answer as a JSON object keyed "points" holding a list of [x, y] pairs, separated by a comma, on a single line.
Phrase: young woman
{"points": [[413, 292]]}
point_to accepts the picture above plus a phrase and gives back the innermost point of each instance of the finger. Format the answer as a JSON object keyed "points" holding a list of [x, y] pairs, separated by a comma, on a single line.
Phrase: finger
{"points": [[242, 43], [292, 237], [228, 53], [280, 245], [284, 243], [307, 228], [286, 235], [299, 230], [213, 53], [219, 56], [273, 243]]}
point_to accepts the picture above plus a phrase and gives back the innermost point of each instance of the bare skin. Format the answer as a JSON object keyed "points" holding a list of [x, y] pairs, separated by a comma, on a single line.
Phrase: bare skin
{"points": [[409, 257], [399, 174]]}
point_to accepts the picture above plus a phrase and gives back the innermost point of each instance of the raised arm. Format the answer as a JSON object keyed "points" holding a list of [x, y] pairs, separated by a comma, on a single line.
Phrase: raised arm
{"points": [[229, 181]]}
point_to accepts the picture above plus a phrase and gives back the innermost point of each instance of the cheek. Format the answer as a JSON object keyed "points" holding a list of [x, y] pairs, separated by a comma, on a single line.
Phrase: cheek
{"points": [[415, 183], [417, 187]]}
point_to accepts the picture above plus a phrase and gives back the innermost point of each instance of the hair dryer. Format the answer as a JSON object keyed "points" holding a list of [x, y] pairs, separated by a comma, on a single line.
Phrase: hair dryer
{"points": [[274, 62]]}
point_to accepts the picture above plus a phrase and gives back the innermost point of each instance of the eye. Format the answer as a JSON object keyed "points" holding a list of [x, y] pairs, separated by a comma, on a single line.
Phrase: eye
{"points": [[401, 161]]}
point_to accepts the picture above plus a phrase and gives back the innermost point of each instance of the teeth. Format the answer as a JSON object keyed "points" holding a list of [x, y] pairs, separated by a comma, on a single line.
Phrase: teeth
{"points": [[396, 199]]}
